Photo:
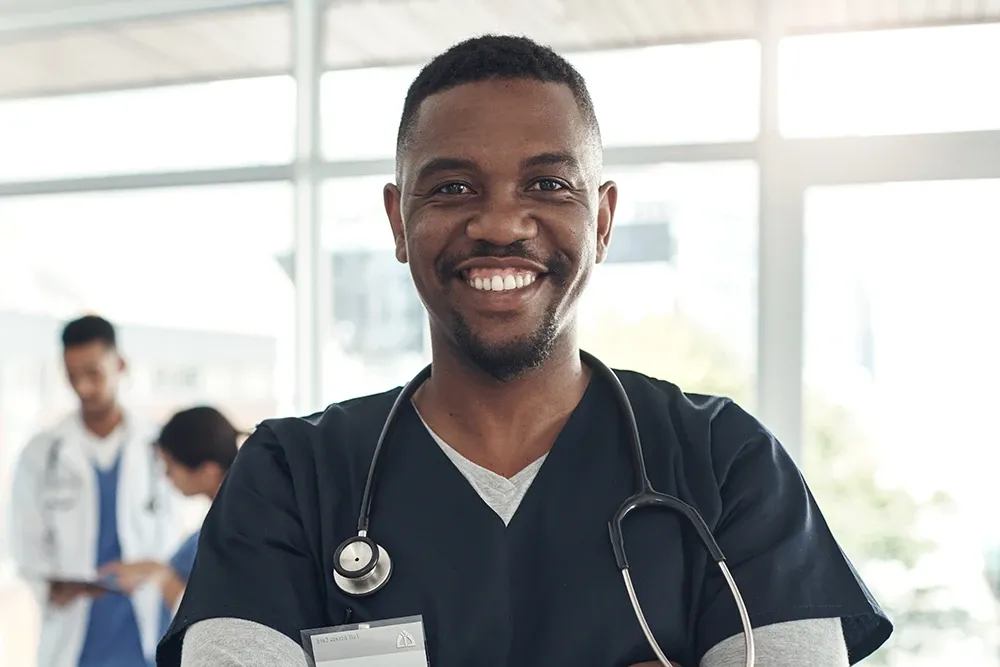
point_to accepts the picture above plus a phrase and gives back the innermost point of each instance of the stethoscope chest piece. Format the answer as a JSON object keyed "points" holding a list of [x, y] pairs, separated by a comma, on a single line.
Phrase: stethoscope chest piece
{"points": [[361, 567]]}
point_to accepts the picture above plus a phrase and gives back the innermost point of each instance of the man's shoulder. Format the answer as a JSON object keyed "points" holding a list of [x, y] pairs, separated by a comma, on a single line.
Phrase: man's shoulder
{"points": [[716, 418], [642, 387], [341, 425], [44, 438], [358, 408], [354, 410]]}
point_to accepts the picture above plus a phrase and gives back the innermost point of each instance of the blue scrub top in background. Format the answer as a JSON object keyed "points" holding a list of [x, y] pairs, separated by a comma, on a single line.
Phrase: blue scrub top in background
{"points": [[183, 561], [112, 638]]}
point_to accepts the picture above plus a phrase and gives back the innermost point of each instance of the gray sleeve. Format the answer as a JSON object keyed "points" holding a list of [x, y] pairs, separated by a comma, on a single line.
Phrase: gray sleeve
{"points": [[231, 642], [816, 642]]}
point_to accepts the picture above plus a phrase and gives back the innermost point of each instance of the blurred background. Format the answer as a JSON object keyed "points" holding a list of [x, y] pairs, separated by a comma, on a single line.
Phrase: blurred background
{"points": [[809, 222]]}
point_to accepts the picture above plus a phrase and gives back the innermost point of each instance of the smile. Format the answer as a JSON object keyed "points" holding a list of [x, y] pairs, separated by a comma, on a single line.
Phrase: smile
{"points": [[499, 280]]}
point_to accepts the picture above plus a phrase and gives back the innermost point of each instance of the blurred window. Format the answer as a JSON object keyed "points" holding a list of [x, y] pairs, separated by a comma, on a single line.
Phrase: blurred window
{"points": [[199, 126], [677, 297], [376, 324], [891, 82], [901, 368]]}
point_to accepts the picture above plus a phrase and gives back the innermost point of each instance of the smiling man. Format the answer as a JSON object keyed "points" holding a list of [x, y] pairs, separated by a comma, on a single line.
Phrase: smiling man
{"points": [[483, 538]]}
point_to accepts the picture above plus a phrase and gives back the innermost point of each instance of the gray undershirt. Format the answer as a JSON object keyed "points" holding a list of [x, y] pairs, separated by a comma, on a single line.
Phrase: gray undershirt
{"points": [[230, 642]]}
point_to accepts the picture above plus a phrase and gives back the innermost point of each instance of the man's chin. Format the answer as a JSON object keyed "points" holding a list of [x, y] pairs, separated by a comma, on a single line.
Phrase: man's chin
{"points": [[505, 350], [505, 360], [97, 409]]}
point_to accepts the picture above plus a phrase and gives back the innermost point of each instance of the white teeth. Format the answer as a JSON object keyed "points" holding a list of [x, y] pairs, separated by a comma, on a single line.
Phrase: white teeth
{"points": [[499, 283]]}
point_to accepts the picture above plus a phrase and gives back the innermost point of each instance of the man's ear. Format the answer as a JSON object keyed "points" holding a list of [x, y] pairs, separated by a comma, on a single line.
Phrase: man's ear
{"points": [[606, 204], [391, 198]]}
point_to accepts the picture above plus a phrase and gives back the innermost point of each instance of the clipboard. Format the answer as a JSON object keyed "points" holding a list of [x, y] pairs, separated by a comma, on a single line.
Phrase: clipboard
{"points": [[108, 584]]}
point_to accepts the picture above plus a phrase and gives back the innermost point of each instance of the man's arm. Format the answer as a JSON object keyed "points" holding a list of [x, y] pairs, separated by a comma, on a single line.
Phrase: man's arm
{"points": [[815, 642], [230, 642], [128, 577], [779, 548], [27, 524]]}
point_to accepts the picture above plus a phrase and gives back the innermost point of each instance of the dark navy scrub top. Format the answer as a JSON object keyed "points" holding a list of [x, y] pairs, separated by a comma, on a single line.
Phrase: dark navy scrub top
{"points": [[545, 589]]}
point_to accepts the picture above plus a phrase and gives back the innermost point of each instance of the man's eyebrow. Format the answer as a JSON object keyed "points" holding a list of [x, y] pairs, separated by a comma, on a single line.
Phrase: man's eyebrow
{"points": [[553, 159], [444, 163], [439, 164]]}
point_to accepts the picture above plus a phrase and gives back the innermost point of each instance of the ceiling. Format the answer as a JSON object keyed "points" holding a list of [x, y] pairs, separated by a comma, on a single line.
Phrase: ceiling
{"points": [[52, 47]]}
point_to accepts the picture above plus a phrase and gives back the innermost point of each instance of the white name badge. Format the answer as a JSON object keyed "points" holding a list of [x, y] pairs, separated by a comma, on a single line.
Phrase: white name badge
{"points": [[395, 642]]}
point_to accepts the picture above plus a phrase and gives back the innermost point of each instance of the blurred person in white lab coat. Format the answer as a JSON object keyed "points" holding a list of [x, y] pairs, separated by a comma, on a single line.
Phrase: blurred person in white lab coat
{"points": [[197, 445], [87, 492]]}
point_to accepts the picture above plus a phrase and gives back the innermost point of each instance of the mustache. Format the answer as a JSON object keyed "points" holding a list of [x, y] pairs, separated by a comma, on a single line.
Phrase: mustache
{"points": [[557, 264]]}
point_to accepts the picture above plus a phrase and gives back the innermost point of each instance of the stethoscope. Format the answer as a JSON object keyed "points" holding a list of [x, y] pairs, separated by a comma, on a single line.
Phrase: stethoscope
{"points": [[61, 490], [362, 567]]}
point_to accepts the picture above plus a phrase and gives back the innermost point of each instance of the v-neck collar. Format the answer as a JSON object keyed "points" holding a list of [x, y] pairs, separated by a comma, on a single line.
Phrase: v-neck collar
{"points": [[502, 495], [496, 479], [562, 451]]}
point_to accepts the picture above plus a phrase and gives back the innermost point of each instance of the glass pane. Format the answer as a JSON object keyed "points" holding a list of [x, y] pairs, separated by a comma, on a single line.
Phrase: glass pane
{"points": [[682, 94], [891, 82], [901, 366], [193, 279], [655, 95], [353, 131], [377, 326], [677, 297], [221, 124]]}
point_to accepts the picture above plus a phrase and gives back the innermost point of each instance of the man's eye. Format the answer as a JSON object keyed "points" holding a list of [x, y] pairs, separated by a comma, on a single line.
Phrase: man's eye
{"points": [[453, 189], [547, 185]]}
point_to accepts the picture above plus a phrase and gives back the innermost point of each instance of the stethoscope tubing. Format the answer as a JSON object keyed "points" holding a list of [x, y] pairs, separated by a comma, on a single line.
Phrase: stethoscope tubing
{"points": [[645, 496]]}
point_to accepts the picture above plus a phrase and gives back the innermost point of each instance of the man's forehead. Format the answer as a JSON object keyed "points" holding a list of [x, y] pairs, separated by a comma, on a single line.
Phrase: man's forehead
{"points": [[93, 352], [510, 119], [499, 90]]}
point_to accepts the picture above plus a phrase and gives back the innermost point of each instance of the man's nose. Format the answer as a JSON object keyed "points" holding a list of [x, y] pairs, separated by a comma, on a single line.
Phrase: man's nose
{"points": [[504, 219]]}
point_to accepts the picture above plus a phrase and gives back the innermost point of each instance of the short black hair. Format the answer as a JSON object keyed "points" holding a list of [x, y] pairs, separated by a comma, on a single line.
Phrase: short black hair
{"points": [[492, 57], [199, 435], [89, 329]]}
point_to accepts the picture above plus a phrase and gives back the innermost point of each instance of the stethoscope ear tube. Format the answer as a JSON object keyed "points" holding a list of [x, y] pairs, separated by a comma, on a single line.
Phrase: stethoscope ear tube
{"points": [[646, 496], [660, 501], [748, 643], [663, 501], [744, 614], [404, 396]]}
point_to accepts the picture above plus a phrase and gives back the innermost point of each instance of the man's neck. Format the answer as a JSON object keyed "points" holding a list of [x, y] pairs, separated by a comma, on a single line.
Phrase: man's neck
{"points": [[502, 426], [102, 425]]}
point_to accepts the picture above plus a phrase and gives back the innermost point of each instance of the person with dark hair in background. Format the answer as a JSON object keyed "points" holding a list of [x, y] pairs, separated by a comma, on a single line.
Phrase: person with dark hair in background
{"points": [[87, 492], [197, 446], [464, 520]]}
